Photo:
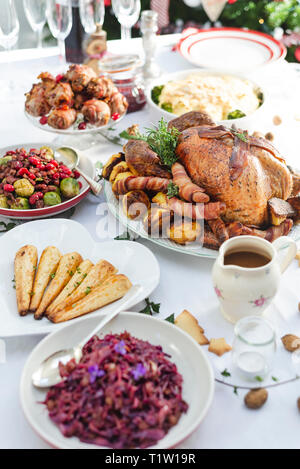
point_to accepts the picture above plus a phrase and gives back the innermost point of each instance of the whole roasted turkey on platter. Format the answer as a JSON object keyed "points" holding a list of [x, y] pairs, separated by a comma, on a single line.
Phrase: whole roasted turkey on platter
{"points": [[236, 183]]}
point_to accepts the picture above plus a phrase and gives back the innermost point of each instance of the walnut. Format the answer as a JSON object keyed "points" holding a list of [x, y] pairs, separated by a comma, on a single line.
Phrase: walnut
{"points": [[291, 342], [256, 398], [269, 136]]}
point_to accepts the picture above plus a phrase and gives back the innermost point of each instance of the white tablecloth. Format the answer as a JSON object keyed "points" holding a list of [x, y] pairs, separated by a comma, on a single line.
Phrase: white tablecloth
{"points": [[185, 280]]}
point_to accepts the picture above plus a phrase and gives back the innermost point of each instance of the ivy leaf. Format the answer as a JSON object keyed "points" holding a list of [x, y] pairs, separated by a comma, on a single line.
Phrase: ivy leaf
{"points": [[236, 390], [226, 373], [124, 236], [171, 318], [150, 308], [7, 226]]}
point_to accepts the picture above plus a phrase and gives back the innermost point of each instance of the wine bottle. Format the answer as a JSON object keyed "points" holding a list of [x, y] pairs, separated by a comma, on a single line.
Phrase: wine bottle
{"points": [[73, 43]]}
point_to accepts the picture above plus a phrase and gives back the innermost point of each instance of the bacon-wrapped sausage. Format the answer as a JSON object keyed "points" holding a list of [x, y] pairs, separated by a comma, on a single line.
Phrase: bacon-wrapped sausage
{"points": [[150, 183], [36, 103], [101, 88], [48, 81], [196, 212], [187, 189], [62, 118], [80, 76], [96, 112], [61, 94], [219, 229], [118, 104]]}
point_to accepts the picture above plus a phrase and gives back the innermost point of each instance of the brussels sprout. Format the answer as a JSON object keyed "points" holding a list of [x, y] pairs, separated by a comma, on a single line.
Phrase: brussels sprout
{"points": [[69, 188], [23, 188], [20, 204], [47, 153], [5, 160], [3, 202], [51, 198]]}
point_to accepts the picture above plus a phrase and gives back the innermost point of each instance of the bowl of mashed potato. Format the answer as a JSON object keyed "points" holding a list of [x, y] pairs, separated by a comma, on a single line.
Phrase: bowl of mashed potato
{"points": [[228, 99]]}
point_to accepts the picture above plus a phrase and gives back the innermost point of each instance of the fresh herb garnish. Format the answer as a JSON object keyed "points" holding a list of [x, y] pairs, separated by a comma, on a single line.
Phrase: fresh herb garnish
{"points": [[52, 276], [161, 140], [7, 226], [88, 290], [70, 272], [237, 114], [167, 107], [240, 135], [275, 379], [173, 190], [235, 390], [226, 373], [150, 308], [171, 318], [259, 379], [156, 92]]}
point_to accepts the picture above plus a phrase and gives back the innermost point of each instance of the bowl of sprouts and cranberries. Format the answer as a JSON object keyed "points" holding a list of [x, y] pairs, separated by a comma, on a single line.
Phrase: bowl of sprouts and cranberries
{"points": [[34, 185]]}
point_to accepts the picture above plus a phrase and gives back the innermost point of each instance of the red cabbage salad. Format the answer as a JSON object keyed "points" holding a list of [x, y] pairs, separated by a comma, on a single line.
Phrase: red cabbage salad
{"points": [[124, 393]]}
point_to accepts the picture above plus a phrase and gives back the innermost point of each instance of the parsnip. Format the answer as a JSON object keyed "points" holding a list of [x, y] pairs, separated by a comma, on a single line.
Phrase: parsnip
{"points": [[25, 267]]}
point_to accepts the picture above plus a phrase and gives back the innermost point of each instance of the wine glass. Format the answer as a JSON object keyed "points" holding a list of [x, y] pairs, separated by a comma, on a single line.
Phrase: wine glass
{"points": [[9, 24], [127, 13], [59, 16], [35, 11], [92, 14]]}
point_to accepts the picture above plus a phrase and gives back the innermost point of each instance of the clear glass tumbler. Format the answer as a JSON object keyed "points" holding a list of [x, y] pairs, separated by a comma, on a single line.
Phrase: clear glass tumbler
{"points": [[254, 347]]}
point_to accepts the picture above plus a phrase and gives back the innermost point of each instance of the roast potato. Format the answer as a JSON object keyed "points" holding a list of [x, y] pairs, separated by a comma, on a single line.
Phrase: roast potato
{"points": [[279, 210], [25, 267], [118, 178], [80, 274], [65, 270], [112, 289], [112, 162], [47, 267], [157, 221], [135, 204], [119, 168], [183, 232]]}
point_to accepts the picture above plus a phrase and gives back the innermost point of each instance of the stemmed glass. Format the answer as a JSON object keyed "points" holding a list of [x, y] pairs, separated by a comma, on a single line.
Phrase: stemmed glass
{"points": [[35, 11], [92, 14], [127, 13], [9, 24], [59, 16]]}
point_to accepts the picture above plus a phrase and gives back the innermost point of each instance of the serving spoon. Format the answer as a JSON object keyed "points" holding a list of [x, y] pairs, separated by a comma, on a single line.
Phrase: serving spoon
{"points": [[70, 158], [47, 374]]}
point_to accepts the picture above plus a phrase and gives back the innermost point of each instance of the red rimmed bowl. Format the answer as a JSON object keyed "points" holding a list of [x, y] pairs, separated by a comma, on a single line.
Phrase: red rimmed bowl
{"points": [[85, 164]]}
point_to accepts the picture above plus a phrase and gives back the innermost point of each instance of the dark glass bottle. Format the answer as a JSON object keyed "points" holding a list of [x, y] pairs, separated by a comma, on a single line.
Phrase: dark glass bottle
{"points": [[73, 43]]}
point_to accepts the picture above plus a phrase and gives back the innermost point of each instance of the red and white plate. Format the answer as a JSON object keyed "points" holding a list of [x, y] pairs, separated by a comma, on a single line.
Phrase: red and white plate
{"points": [[230, 48], [85, 164]]}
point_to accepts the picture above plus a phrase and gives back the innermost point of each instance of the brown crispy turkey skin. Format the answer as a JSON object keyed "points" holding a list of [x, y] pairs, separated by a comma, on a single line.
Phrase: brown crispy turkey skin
{"points": [[207, 163]]}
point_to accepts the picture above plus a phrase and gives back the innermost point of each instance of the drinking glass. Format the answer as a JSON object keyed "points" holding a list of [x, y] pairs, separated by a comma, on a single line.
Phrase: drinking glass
{"points": [[254, 347], [35, 11], [59, 16], [9, 24], [92, 14], [127, 13]]}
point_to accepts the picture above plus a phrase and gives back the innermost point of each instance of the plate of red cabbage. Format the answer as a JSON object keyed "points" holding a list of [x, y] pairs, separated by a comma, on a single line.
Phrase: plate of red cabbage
{"points": [[142, 383]]}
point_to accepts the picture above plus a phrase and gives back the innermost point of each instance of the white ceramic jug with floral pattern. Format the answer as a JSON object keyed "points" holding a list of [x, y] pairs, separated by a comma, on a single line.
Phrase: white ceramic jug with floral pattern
{"points": [[249, 291]]}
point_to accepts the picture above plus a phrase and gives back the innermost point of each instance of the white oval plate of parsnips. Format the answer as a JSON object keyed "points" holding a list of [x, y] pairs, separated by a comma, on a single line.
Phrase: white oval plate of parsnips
{"points": [[131, 260]]}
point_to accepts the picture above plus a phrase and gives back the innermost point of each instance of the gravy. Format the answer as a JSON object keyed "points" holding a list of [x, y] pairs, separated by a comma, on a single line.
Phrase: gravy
{"points": [[246, 259]]}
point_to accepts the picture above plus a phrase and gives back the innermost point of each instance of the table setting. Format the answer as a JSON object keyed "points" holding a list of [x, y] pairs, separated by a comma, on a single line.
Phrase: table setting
{"points": [[149, 230]]}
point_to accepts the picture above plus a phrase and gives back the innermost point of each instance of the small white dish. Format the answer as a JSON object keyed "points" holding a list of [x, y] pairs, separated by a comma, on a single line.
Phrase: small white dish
{"points": [[192, 363], [130, 258], [242, 122]]}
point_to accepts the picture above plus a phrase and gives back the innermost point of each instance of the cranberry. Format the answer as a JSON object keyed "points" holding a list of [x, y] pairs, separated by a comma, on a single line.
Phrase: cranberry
{"points": [[54, 163], [76, 174], [80, 184], [49, 166], [63, 176], [40, 195], [82, 126], [55, 176], [10, 152], [34, 160], [8, 188], [33, 150], [23, 171], [18, 165], [32, 176], [59, 77], [115, 116], [33, 199], [43, 120]]}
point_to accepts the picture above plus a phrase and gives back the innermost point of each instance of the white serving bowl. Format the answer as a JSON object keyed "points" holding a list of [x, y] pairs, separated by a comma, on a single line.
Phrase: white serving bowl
{"points": [[248, 122]]}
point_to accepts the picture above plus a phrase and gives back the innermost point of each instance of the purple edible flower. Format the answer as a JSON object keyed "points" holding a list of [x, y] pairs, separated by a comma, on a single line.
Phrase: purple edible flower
{"points": [[138, 372], [95, 373], [120, 347]]}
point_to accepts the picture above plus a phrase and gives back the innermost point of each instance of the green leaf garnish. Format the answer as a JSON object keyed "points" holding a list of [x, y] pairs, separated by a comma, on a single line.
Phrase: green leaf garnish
{"points": [[88, 290], [173, 190], [275, 379], [150, 308], [167, 107], [156, 92], [236, 390], [123, 237], [237, 114], [240, 135], [259, 379], [171, 318], [226, 373], [7, 226]]}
